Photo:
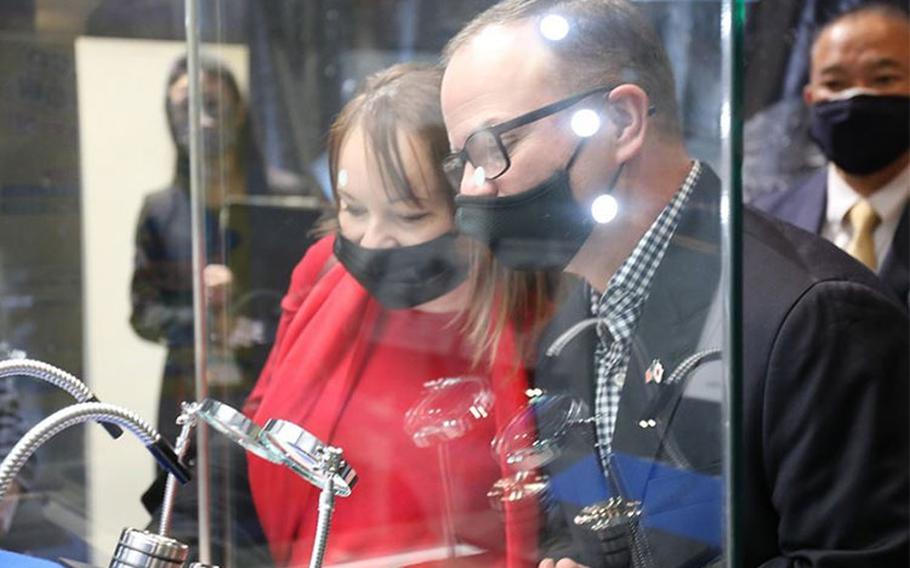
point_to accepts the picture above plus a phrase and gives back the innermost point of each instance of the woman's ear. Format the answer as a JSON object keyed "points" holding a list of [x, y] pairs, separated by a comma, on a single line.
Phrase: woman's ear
{"points": [[627, 109]]}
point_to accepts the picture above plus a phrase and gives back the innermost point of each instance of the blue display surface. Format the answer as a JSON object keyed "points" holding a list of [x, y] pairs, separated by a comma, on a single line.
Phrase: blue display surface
{"points": [[14, 560]]}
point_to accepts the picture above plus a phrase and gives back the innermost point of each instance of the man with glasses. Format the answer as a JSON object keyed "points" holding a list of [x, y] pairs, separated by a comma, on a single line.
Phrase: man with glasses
{"points": [[569, 155]]}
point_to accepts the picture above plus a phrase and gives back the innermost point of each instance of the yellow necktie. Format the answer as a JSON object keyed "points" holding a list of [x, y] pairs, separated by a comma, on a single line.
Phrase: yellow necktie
{"points": [[864, 220]]}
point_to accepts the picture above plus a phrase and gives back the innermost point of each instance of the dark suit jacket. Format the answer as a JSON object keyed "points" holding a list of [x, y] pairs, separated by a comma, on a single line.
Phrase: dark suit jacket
{"points": [[824, 431], [805, 205]]}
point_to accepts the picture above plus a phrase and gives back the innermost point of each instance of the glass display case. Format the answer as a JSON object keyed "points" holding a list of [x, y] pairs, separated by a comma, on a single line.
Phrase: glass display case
{"points": [[315, 213]]}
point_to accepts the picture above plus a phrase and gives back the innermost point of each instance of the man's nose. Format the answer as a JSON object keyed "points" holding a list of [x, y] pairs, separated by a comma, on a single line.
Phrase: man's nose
{"points": [[474, 183]]}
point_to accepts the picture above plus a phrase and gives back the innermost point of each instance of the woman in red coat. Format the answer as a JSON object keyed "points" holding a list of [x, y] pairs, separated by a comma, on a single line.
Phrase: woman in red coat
{"points": [[374, 312]]}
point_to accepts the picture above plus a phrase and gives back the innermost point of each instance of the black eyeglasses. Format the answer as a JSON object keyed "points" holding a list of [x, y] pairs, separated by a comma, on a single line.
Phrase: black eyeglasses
{"points": [[484, 147]]}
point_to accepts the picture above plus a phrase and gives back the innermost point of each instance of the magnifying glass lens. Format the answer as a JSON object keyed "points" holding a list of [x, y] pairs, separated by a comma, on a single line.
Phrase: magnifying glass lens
{"points": [[534, 437], [448, 409]]}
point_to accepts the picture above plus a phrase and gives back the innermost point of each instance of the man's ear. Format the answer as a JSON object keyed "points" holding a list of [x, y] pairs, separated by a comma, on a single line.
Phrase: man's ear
{"points": [[627, 108]]}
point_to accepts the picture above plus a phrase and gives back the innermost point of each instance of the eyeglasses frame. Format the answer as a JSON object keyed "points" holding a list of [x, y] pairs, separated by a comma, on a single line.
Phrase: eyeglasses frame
{"points": [[497, 130]]}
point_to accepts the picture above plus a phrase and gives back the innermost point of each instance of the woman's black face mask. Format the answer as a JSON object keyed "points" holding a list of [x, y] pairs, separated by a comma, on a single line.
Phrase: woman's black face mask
{"points": [[404, 277]]}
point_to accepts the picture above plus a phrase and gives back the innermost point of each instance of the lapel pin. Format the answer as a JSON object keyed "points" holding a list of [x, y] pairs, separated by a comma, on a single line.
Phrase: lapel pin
{"points": [[655, 372]]}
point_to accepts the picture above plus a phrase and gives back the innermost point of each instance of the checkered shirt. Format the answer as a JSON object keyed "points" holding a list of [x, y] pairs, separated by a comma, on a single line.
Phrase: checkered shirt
{"points": [[619, 308]]}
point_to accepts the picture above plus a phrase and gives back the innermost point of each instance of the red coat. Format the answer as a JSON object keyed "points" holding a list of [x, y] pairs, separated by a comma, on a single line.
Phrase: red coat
{"points": [[348, 370]]}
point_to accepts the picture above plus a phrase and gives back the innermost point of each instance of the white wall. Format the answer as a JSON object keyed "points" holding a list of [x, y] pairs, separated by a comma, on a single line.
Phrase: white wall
{"points": [[125, 153]]}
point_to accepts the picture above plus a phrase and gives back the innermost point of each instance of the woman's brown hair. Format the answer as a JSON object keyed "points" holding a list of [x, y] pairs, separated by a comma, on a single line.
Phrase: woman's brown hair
{"points": [[500, 296], [403, 97]]}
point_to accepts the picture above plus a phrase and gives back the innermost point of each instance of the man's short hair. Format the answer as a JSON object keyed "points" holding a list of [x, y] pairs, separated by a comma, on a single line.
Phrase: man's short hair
{"points": [[887, 10], [610, 42]]}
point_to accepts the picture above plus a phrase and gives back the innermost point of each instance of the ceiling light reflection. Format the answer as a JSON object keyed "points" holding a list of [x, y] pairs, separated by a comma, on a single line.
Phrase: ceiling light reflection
{"points": [[492, 38], [604, 209], [585, 122], [480, 177], [554, 27]]}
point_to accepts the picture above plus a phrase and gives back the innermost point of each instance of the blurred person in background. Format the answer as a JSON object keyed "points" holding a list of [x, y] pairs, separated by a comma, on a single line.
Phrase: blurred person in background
{"points": [[162, 282], [859, 102]]}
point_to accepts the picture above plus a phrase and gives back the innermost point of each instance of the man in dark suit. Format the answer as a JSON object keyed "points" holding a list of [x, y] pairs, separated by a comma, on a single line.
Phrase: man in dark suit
{"points": [[859, 96], [570, 156]]}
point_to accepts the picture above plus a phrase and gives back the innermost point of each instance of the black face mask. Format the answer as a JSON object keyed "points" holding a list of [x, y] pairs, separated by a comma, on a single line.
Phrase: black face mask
{"points": [[864, 133], [404, 277], [539, 229]]}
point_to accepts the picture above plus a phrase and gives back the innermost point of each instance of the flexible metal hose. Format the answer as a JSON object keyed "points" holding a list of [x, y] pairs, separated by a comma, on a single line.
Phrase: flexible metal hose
{"points": [[331, 462], [326, 506], [48, 373], [187, 421], [63, 419], [57, 377]]}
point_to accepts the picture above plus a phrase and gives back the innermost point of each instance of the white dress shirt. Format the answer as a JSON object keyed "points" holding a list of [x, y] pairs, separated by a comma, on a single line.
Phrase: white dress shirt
{"points": [[888, 202]]}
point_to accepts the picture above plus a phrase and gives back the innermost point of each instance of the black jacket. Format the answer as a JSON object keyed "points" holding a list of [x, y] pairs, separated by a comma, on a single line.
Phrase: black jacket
{"points": [[824, 430], [804, 206]]}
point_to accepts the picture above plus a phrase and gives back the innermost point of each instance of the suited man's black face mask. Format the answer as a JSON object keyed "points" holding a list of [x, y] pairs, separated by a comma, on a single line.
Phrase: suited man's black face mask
{"points": [[404, 277], [864, 133]]}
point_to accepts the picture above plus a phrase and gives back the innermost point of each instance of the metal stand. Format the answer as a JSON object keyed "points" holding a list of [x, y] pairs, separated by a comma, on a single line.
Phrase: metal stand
{"points": [[289, 445], [448, 523], [142, 549], [331, 466], [286, 444], [187, 420]]}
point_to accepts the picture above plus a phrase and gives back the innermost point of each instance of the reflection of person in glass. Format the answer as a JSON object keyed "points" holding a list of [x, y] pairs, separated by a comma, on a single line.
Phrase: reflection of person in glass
{"points": [[372, 314], [570, 154], [162, 289]]}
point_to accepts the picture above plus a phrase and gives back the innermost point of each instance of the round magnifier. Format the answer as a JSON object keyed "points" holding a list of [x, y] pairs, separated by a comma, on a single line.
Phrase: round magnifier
{"points": [[303, 453], [448, 409], [532, 438], [237, 427]]}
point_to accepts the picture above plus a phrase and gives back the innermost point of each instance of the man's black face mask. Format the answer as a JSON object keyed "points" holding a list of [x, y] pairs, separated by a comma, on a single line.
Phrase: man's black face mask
{"points": [[404, 277], [541, 228], [864, 133]]}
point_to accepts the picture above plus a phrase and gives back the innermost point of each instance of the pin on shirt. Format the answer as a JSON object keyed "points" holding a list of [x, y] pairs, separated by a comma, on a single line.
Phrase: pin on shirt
{"points": [[655, 372]]}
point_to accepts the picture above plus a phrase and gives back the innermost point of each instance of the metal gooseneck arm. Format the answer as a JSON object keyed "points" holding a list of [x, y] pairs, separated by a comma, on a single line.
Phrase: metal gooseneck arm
{"points": [[187, 420], [78, 414], [57, 377], [331, 465], [280, 442]]}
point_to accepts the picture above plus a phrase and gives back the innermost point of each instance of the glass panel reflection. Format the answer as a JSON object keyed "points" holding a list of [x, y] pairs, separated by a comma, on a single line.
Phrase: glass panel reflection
{"points": [[487, 249], [362, 290], [468, 411]]}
